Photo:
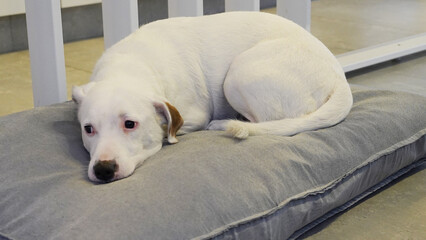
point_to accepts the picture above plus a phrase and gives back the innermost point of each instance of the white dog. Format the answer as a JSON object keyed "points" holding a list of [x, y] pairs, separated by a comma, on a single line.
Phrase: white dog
{"points": [[181, 75]]}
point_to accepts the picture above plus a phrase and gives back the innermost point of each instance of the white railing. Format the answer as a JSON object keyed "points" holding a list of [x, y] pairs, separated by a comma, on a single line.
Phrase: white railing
{"points": [[45, 42], [121, 18]]}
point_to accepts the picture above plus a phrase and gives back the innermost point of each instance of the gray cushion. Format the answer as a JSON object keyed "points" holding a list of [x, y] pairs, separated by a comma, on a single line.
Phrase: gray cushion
{"points": [[208, 185]]}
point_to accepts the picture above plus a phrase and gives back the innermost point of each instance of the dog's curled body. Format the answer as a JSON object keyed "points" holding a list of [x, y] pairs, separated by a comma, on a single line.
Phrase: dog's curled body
{"points": [[206, 70]]}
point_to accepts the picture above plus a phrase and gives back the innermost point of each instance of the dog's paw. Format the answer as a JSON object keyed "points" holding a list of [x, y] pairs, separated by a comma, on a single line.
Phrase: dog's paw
{"points": [[237, 130], [217, 125]]}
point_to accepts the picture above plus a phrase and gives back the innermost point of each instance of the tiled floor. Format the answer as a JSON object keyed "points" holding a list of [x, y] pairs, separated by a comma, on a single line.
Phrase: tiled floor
{"points": [[399, 211]]}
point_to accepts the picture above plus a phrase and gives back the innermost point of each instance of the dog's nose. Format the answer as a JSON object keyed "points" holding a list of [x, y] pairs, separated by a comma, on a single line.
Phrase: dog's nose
{"points": [[104, 170]]}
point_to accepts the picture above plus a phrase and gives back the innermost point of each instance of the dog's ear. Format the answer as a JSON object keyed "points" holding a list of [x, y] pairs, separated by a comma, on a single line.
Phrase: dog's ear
{"points": [[173, 118], [79, 92]]}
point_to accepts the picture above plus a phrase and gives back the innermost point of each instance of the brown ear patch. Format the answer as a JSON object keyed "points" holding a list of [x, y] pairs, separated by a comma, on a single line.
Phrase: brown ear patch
{"points": [[176, 119]]}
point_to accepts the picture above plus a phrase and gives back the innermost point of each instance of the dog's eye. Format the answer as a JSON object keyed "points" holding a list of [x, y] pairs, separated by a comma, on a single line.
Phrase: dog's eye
{"points": [[129, 124], [88, 129]]}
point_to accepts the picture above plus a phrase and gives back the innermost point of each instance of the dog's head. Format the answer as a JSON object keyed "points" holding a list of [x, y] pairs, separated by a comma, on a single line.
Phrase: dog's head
{"points": [[121, 128]]}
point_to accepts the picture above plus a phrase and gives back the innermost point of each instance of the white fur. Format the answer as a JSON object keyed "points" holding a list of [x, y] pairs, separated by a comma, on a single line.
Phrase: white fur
{"points": [[209, 68]]}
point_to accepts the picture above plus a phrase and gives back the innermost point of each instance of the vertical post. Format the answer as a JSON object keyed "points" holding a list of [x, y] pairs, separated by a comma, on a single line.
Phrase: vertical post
{"points": [[45, 41], [299, 11], [242, 5], [120, 18], [185, 8]]}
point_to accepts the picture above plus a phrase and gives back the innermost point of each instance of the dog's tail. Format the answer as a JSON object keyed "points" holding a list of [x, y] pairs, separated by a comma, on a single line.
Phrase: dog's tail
{"points": [[330, 113]]}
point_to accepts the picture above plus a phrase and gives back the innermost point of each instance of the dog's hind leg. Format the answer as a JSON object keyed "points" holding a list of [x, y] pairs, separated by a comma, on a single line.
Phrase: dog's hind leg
{"points": [[278, 84], [268, 82]]}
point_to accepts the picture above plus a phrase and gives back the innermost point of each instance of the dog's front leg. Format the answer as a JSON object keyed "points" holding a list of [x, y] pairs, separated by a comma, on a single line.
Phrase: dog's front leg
{"points": [[233, 127], [217, 125]]}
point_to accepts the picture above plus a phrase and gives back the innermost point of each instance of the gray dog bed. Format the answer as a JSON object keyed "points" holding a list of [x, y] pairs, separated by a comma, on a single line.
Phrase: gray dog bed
{"points": [[208, 185]]}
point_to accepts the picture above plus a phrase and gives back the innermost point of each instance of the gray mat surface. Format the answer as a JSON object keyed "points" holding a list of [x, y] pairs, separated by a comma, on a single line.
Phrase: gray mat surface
{"points": [[208, 185]]}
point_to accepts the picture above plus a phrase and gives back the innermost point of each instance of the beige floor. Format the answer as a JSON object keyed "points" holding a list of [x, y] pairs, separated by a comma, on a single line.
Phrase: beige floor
{"points": [[15, 73], [399, 211]]}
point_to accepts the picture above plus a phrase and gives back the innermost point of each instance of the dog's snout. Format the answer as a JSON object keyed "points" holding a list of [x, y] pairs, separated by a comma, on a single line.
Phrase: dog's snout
{"points": [[105, 170]]}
